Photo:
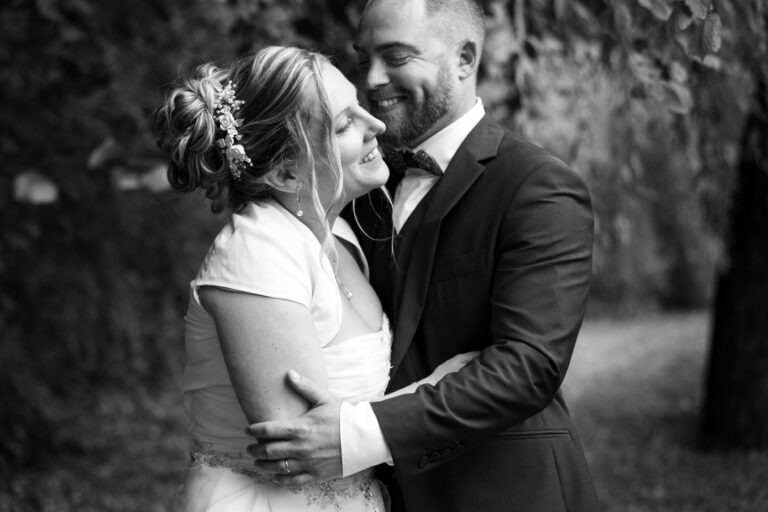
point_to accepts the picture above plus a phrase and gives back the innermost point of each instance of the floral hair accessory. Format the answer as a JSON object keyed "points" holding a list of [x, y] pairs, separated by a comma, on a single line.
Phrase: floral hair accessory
{"points": [[224, 111]]}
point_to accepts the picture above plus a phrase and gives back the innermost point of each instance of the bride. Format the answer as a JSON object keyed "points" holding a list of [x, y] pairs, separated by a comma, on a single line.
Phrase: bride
{"points": [[280, 141]]}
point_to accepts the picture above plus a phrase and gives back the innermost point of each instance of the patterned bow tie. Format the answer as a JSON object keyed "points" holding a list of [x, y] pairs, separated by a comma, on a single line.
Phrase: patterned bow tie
{"points": [[399, 160]]}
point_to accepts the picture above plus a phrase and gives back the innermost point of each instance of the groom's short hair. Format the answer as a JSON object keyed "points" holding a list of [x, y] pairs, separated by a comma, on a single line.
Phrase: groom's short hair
{"points": [[463, 19], [459, 17]]}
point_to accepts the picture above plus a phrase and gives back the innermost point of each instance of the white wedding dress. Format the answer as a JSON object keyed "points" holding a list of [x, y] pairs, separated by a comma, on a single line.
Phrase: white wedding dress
{"points": [[246, 256]]}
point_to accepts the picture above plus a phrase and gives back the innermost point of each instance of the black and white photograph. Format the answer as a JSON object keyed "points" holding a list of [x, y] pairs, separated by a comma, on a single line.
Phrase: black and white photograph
{"points": [[384, 256]]}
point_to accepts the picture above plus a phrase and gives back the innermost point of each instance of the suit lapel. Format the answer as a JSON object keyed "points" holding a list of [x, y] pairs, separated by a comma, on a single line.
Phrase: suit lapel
{"points": [[465, 168]]}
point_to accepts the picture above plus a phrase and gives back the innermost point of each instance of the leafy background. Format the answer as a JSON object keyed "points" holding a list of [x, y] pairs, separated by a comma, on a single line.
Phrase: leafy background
{"points": [[647, 99]]}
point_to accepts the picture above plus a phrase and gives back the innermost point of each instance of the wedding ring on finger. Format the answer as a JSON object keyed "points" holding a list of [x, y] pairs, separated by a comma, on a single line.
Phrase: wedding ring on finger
{"points": [[285, 466]]}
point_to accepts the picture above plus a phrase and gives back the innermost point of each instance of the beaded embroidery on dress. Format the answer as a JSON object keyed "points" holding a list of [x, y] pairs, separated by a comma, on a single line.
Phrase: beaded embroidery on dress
{"points": [[344, 494]]}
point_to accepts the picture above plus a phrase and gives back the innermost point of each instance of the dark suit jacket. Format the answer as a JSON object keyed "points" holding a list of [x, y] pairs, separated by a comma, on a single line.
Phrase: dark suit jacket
{"points": [[497, 258]]}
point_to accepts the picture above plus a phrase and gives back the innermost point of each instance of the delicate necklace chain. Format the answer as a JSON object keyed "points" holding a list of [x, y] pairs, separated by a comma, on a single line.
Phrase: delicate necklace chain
{"points": [[346, 291]]}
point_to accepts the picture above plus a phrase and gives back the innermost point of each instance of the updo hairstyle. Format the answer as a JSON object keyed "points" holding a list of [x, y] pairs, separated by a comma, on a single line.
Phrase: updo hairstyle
{"points": [[282, 92]]}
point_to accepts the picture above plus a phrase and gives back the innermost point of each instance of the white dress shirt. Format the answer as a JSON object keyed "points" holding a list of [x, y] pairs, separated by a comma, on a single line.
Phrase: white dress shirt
{"points": [[362, 442], [441, 146]]}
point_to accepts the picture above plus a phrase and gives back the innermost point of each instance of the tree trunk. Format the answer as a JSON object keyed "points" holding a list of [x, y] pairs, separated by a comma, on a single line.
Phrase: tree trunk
{"points": [[736, 401]]}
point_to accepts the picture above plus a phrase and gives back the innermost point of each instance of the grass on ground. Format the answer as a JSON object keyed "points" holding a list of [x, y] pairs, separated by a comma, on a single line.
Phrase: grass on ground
{"points": [[635, 390]]}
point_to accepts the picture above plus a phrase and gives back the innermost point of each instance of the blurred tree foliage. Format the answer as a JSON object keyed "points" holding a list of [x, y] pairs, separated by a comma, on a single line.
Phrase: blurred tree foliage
{"points": [[93, 285], [609, 86]]}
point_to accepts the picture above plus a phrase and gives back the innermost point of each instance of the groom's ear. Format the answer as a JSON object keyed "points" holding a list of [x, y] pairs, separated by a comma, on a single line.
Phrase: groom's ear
{"points": [[469, 59]]}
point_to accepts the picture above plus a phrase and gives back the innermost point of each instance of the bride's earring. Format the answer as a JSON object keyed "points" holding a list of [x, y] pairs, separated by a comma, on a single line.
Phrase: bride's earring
{"points": [[299, 211]]}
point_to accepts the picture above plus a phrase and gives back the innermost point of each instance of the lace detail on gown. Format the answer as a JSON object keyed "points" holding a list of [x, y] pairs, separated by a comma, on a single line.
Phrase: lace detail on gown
{"points": [[331, 494], [203, 455], [327, 494]]}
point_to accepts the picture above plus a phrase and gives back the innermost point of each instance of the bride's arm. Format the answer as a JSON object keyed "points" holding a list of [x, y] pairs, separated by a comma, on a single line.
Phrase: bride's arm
{"points": [[453, 364], [261, 339]]}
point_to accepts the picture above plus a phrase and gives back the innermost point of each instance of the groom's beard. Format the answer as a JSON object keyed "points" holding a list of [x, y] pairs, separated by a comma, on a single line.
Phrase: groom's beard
{"points": [[407, 124]]}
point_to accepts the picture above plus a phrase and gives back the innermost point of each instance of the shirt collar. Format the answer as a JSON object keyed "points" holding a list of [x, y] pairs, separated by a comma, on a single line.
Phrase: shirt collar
{"points": [[444, 144]]}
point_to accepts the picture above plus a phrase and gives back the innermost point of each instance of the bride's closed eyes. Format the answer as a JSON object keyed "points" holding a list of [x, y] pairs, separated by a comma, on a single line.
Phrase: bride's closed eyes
{"points": [[345, 125], [348, 121]]}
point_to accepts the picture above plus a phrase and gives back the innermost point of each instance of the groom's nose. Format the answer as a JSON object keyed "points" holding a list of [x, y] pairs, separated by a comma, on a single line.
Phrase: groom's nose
{"points": [[377, 75]]}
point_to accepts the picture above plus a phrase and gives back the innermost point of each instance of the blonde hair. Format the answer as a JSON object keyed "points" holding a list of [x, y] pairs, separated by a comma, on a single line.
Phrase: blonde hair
{"points": [[282, 93]]}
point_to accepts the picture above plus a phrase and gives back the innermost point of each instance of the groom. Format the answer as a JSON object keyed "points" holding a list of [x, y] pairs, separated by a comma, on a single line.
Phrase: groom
{"points": [[495, 256]]}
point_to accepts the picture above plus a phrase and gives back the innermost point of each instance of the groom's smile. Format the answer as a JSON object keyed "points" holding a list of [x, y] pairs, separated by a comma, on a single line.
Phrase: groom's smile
{"points": [[383, 104], [386, 104]]}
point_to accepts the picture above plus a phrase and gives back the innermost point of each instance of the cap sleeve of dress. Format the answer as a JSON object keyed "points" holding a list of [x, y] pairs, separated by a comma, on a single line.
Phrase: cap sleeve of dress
{"points": [[259, 252], [264, 250]]}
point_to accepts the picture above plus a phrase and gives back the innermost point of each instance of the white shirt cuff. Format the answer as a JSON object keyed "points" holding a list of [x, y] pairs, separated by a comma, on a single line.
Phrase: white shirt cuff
{"points": [[362, 443]]}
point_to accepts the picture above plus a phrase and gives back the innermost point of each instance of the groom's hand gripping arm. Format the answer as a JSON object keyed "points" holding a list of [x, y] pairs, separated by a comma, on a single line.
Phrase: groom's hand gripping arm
{"points": [[310, 443], [313, 443]]}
